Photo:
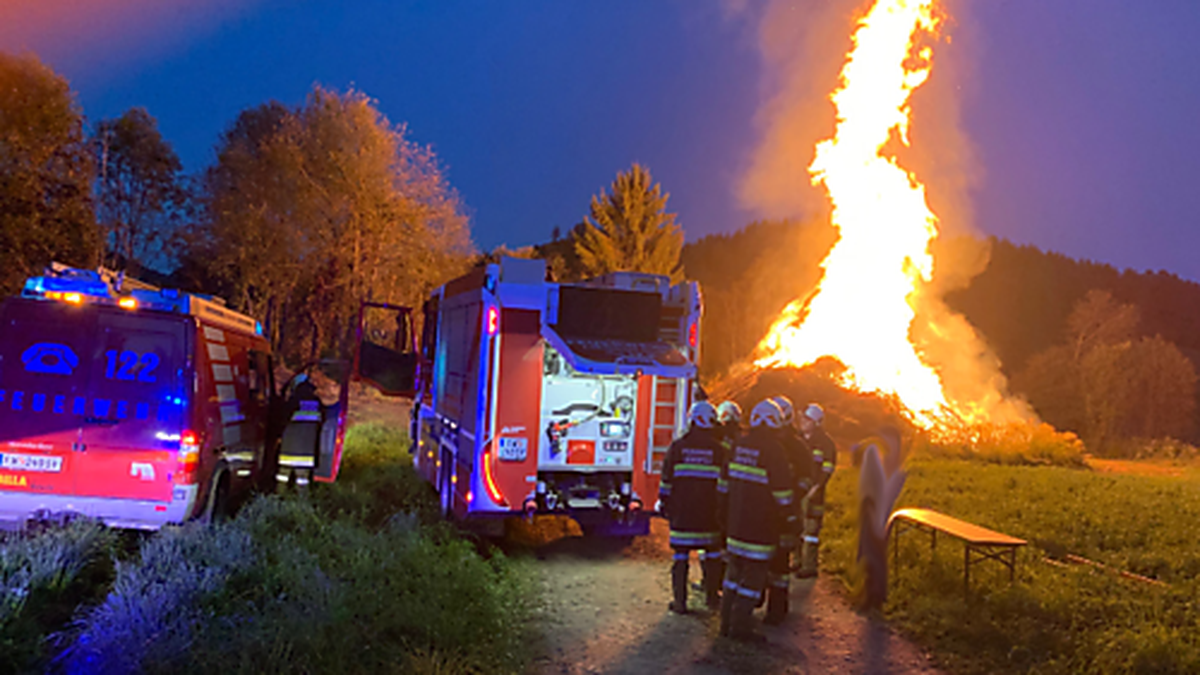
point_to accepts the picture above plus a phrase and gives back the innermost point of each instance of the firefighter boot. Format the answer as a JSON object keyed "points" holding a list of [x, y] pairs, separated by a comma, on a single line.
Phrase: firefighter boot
{"points": [[679, 585], [714, 571], [741, 620], [777, 601], [727, 596]]}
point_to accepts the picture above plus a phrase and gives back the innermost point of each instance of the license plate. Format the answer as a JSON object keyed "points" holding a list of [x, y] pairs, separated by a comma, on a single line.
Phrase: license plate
{"points": [[18, 462], [513, 449]]}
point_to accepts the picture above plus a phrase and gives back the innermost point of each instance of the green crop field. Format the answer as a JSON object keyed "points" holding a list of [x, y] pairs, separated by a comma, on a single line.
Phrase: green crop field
{"points": [[1055, 618]]}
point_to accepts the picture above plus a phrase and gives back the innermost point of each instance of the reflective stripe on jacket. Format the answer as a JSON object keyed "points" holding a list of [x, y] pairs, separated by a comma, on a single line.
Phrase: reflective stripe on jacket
{"points": [[760, 491], [691, 471]]}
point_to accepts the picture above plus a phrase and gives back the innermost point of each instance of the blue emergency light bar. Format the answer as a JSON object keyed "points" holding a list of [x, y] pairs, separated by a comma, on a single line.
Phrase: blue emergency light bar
{"points": [[81, 282], [76, 286]]}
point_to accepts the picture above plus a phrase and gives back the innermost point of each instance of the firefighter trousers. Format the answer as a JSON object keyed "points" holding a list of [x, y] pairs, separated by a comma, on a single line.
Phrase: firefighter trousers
{"points": [[745, 580], [814, 517], [778, 587], [712, 567]]}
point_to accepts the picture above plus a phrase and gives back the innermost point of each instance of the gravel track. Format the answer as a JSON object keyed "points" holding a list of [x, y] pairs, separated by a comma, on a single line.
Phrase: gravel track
{"points": [[604, 610]]}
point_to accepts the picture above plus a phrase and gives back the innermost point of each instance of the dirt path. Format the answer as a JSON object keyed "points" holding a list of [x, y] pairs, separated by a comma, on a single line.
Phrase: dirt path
{"points": [[604, 610]]}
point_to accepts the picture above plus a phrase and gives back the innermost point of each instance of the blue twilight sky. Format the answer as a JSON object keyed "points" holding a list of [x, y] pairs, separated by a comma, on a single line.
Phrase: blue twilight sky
{"points": [[1083, 114]]}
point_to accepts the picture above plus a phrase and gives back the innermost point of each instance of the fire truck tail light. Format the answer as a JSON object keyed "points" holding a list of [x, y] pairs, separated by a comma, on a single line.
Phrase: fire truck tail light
{"points": [[189, 458], [693, 338], [489, 482], [493, 321]]}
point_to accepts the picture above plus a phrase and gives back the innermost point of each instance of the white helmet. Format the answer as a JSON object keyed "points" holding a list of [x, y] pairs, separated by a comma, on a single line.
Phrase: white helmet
{"points": [[767, 413], [702, 415], [814, 413], [785, 407], [729, 411]]}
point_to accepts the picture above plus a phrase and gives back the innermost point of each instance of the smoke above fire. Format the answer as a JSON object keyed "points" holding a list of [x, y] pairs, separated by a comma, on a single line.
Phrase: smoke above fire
{"points": [[901, 201], [98, 35]]}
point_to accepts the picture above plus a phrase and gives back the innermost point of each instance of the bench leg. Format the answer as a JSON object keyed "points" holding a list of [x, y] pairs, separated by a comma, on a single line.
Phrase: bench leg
{"points": [[967, 571]]}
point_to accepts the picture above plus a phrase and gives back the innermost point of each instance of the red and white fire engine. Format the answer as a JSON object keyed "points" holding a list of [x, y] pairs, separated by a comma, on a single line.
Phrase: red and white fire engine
{"points": [[133, 405], [534, 397]]}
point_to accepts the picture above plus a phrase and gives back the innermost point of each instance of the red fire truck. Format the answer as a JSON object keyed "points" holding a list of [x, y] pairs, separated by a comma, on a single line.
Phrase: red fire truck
{"points": [[139, 407], [534, 397]]}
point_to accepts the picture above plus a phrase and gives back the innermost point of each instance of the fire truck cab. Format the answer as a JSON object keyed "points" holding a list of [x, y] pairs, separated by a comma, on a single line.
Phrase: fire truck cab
{"points": [[138, 406], [534, 397]]}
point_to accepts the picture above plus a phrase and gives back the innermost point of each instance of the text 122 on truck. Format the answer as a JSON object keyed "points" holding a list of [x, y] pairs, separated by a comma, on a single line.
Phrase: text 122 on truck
{"points": [[136, 406]]}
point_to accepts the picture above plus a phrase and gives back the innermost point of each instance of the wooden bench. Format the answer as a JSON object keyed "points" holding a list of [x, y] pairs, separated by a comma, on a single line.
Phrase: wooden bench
{"points": [[980, 542]]}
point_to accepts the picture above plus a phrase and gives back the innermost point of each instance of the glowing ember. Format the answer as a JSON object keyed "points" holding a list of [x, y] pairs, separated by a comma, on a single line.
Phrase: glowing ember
{"points": [[863, 309]]}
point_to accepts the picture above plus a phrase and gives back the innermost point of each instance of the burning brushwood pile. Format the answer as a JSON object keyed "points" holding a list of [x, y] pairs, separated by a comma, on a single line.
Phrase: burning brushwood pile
{"points": [[874, 343]]}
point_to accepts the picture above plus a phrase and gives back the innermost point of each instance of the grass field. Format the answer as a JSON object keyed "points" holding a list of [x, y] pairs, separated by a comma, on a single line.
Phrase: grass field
{"points": [[357, 577], [1053, 619]]}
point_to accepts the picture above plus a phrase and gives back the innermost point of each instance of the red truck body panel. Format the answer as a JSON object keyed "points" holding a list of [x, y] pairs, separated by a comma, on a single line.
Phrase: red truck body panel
{"points": [[98, 400]]}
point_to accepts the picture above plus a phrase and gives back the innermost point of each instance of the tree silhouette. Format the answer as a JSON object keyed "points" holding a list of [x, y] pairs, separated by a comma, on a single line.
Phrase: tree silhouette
{"points": [[1109, 385], [140, 191], [630, 230], [309, 211], [46, 174]]}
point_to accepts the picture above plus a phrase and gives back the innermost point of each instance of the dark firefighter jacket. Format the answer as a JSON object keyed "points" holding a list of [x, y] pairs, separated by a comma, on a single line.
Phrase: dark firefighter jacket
{"points": [[800, 459], [759, 487], [824, 459], [729, 434], [299, 444], [688, 489]]}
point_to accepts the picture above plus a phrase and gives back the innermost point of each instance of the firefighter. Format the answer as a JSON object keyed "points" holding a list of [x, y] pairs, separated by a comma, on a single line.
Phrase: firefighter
{"points": [[798, 459], [729, 415], [688, 497], [301, 434], [824, 459], [758, 485]]}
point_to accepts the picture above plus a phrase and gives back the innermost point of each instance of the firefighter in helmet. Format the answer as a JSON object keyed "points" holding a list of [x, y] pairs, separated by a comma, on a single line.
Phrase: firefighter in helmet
{"points": [[729, 416], [299, 445], [798, 459], [688, 497], [824, 459], [758, 485]]}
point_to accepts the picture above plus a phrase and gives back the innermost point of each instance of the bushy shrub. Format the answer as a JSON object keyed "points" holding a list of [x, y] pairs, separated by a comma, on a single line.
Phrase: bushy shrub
{"points": [[1157, 448], [43, 577], [1016, 443], [352, 578], [156, 603]]}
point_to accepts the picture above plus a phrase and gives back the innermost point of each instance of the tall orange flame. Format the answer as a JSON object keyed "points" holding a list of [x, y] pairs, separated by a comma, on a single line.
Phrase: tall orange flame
{"points": [[863, 308]]}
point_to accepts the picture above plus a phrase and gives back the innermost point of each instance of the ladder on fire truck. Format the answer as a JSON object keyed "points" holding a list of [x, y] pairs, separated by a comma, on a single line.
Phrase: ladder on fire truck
{"points": [[668, 396]]}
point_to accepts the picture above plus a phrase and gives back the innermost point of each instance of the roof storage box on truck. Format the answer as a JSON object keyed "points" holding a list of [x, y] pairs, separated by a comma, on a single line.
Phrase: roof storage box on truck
{"points": [[139, 409]]}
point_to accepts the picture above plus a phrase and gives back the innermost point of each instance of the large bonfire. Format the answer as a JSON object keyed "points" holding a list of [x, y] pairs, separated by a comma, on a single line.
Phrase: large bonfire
{"points": [[863, 310]]}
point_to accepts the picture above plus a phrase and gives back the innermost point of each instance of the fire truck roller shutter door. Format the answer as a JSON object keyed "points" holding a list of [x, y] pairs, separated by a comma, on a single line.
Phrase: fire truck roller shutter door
{"points": [[518, 405]]}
